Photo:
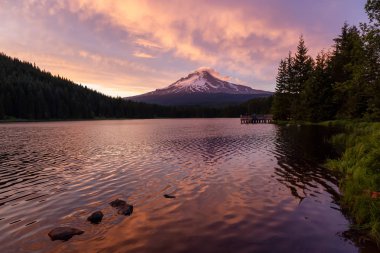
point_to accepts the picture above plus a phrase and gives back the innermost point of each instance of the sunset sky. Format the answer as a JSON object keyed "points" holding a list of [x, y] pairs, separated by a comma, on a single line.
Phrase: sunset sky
{"points": [[124, 48]]}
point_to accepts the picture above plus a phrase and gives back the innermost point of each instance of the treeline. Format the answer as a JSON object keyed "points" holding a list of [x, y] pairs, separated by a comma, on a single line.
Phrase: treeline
{"points": [[343, 83], [27, 92]]}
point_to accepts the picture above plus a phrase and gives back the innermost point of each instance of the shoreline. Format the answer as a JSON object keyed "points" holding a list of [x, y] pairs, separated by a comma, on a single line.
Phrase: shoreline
{"points": [[358, 164], [359, 145], [102, 119]]}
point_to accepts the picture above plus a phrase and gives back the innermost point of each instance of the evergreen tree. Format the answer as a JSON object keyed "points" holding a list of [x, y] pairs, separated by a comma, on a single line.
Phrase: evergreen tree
{"points": [[302, 67], [317, 96], [372, 59], [282, 97], [281, 79], [348, 74], [301, 71], [290, 73], [372, 8]]}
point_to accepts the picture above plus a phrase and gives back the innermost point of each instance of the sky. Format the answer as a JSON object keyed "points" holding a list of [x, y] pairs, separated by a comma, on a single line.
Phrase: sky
{"points": [[124, 48]]}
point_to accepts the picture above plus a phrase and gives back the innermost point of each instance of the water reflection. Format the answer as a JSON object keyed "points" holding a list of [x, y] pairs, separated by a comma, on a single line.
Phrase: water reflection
{"points": [[238, 188], [299, 153]]}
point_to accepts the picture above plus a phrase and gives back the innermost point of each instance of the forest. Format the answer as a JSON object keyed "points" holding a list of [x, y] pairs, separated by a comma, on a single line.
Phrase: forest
{"points": [[341, 83], [29, 93]]}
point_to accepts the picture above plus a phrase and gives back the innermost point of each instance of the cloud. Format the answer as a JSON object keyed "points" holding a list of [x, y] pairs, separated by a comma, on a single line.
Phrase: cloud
{"points": [[213, 34], [147, 44], [233, 36], [214, 73], [143, 55], [109, 42]]}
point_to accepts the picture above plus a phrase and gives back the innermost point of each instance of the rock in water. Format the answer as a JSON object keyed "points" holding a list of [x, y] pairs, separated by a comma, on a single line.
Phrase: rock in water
{"points": [[122, 207], [95, 217], [64, 233], [117, 203], [169, 196], [125, 210]]}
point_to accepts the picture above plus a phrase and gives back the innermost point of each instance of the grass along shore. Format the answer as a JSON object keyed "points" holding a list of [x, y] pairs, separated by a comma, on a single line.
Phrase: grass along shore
{"points": [[360, 168]]}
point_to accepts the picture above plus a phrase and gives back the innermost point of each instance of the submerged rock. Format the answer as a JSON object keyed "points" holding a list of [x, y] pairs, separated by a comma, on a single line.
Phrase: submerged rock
{"points": [[125, 210], [117, 203], [64, 233], [95, 217], [122, 207], [169, 196]]}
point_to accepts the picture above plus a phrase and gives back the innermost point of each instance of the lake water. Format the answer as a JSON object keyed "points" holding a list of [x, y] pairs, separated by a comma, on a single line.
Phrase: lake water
{"points": [[238, 188]]}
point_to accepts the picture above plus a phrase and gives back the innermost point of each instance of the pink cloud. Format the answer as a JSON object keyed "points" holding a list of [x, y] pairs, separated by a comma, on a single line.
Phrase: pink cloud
{"points": [[143, 55], [110, 42]]}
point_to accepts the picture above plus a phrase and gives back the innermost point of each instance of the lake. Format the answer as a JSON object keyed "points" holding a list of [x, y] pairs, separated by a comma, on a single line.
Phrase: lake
{"points": [[238, 188]]}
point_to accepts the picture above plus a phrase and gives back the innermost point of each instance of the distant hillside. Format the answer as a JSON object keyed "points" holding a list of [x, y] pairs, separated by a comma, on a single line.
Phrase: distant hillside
{"points": [[198, 99], [27, 92]]}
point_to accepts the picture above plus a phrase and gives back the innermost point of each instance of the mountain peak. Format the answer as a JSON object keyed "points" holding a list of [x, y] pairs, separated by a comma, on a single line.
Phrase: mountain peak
{"points": [[204, 82], [210, 71], [203, 70]]}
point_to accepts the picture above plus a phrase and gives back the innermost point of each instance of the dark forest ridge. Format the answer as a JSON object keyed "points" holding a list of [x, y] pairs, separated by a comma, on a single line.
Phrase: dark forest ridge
{"points": [[27, 92]]}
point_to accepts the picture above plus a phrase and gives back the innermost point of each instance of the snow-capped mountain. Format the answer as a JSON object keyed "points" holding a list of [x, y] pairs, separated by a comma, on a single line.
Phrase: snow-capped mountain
{"points": [[203, 86]]}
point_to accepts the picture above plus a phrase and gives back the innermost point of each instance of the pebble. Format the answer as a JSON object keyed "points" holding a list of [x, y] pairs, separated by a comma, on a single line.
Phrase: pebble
{"points": [[64, 233]]}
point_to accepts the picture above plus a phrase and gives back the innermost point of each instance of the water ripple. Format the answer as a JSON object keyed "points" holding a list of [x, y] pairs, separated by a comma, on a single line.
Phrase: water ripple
{"points": [[242, 188]]}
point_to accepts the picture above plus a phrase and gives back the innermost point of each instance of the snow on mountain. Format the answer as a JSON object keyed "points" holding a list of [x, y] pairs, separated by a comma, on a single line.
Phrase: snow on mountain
{"points": [[204, 80], [204, 87]]}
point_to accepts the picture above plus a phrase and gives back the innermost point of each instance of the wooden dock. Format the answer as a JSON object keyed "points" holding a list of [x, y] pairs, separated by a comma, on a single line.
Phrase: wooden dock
{"points": [[256, 119]]}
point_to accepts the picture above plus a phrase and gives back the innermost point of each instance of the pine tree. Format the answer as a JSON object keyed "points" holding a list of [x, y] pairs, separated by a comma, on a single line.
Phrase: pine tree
{"points": [[317, 95], [283, 97], [372, 8], [301, 71], [290, 73], [348, 74], [371, 40], [281, 79], [281, 100], [302, 67]]}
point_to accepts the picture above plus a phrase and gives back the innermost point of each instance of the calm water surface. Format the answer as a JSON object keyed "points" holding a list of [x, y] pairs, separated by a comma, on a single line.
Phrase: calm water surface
{"points": [[238, 188]]}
